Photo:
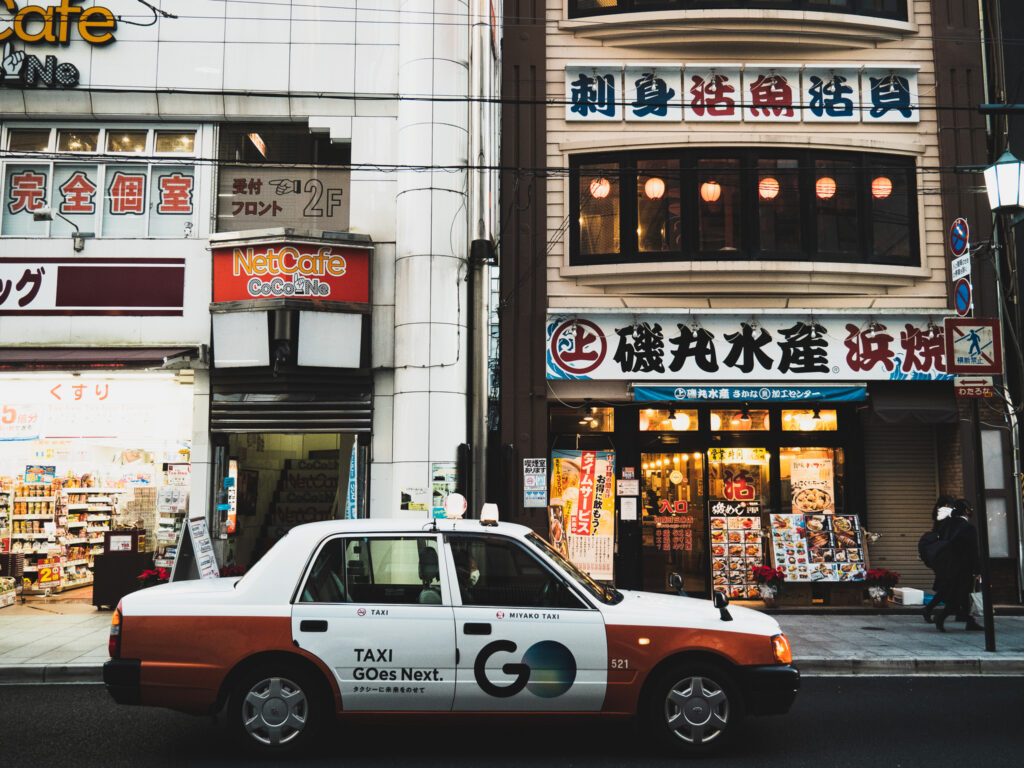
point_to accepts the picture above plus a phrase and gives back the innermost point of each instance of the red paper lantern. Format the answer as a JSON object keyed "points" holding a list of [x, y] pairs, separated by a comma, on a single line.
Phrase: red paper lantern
{"points": [[710, 191], [654, 188], [599, 188]]}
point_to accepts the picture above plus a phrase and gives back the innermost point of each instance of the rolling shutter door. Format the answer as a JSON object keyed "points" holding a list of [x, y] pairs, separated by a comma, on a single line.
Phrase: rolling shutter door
{"points": [[307, 400], [902, 485]]}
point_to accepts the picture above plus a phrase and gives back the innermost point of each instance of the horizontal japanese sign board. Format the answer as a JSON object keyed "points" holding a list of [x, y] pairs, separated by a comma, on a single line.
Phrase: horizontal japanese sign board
{"points": [[92, 286], [973, 346], [291, 270], [731, 92], [974, 386], [301, 198], [793, 347], [749, 393]]}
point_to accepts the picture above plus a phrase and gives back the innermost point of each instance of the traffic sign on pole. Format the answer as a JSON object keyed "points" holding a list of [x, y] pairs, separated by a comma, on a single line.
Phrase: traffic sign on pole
{"points": [[973, 346], [962, 296], [959, 237]]}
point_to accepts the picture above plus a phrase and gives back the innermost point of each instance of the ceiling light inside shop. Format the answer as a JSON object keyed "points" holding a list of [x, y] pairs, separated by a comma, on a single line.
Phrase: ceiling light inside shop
{"points": [[654, 188], [768, 188], [599, 188], [825, 187], [259, 143], [680, 421], [716, 422]]}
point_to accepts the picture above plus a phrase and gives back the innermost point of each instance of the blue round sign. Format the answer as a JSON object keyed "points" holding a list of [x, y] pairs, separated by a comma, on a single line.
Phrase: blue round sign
{"points": [[962, 296], [959, 237]]}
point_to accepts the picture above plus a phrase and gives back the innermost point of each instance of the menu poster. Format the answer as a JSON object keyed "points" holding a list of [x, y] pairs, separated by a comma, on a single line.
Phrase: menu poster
{"points": [[203, 548], [818, 547], [735, 551], [39, 475], [735, 508], [813, 488], [582, 508]]}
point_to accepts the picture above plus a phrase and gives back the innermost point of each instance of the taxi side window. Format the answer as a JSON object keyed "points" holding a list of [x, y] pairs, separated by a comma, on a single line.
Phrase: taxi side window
{"points": [[375, 570], [494, 572]]}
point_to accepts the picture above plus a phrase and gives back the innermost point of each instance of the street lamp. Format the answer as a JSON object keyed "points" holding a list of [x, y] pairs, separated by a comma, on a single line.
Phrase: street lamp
{"points": [[47, 214], [1004, 182]]}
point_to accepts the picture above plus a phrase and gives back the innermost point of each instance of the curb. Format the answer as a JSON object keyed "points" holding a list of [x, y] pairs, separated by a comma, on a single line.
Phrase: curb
{"points": [[22, 674], [910, 667]]}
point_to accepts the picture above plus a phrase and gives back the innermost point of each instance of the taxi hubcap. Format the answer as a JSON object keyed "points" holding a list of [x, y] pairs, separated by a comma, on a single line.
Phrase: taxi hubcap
{"points": [[696, 709], [275, 711]]}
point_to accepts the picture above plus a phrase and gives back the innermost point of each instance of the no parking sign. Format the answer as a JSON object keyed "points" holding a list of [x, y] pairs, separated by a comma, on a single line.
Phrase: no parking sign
{"points": [[959, 237]]}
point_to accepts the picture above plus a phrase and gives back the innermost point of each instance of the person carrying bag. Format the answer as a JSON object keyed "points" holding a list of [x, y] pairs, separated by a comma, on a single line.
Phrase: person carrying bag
{"points": [[957, 573], [933, 547]]}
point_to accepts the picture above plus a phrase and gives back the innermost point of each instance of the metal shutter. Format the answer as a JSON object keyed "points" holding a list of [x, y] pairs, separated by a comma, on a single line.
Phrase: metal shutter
{"points": [[308, 400], [901, 472]]}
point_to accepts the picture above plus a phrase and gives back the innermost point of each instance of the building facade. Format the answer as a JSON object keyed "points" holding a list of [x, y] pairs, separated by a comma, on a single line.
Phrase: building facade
{"points": [[725, 328], [234, 265]]}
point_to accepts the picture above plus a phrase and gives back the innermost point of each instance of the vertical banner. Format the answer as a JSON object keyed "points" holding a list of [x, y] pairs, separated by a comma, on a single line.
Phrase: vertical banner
{"points": [[582, 509], [350, 496], [535, 478]]}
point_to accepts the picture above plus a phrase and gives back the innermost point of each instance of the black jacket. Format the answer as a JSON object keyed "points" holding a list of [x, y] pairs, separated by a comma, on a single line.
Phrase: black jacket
{"points": [[963, 561]]}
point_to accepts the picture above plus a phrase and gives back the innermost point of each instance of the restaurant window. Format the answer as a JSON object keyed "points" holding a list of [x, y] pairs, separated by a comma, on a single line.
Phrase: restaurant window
{"points": [[582, 420], [281, 175], [668, 420], [810, 420], [739, 420], [105, 181], [721, 204], [886, 9]]}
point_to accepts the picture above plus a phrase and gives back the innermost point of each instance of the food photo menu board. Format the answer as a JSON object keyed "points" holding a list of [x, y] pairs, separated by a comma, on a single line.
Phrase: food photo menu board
{"points": [[736, 551], [818, 547]]}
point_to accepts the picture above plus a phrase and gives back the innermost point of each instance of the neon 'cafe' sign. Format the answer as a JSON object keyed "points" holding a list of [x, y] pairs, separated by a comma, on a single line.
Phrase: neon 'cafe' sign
{"points": [[52, 25]]}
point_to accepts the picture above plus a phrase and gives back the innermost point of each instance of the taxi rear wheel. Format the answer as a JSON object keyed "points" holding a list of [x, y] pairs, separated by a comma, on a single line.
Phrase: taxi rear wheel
{"points": [[276, 709], [694, 708]]}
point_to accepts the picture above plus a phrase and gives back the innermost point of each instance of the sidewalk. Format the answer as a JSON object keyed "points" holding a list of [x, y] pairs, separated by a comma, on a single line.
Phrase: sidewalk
{"points": [[38, 645]]}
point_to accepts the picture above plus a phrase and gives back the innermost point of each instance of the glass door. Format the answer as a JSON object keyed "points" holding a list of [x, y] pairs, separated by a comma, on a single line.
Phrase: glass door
{"points": [[739, 492], [674, 528]]}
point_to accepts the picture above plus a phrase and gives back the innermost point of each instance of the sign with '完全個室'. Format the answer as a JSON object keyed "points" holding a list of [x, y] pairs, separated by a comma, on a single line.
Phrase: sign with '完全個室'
{"points": [[723, 92], [779, 346]]}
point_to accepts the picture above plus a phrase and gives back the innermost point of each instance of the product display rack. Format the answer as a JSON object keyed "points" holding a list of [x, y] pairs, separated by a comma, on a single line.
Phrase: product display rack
{"points": [[33, 533], [5, 518]]}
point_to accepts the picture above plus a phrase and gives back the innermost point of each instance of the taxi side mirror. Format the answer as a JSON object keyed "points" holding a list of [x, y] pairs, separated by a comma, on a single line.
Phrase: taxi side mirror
{"points": [[721, 602]]}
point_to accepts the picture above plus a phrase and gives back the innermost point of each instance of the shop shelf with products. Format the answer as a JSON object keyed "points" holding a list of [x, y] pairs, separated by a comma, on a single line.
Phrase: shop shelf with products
{"points": [[6, 495]]}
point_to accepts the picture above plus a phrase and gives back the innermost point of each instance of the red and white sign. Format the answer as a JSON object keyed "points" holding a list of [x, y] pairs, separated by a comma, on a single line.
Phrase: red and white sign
{"points": [[48, 574], [293, 271], [582, 520], [974, 386], [973, 346]]}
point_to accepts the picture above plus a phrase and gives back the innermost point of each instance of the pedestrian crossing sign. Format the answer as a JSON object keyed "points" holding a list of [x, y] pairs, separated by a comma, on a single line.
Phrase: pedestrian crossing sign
{"points": [[973, 346]]}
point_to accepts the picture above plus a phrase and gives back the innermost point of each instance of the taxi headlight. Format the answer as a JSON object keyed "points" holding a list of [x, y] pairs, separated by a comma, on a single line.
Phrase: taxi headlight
{"points": [[781, 650]]}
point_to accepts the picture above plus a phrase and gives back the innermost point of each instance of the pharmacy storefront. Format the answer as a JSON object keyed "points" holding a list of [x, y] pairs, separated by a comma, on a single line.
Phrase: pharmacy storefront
{"points": [[709, 444]]}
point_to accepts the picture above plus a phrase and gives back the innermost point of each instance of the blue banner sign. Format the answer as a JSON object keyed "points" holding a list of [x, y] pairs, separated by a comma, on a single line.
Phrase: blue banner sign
{"points": [[759, 394]]}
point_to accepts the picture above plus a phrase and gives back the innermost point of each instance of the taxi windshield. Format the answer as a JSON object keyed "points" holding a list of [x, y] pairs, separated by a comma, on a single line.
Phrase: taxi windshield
{"points": [[604, 594]]}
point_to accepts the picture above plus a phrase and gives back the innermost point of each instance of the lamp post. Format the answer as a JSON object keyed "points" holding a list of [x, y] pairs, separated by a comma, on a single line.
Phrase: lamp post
{"points": [[1004, 183]]}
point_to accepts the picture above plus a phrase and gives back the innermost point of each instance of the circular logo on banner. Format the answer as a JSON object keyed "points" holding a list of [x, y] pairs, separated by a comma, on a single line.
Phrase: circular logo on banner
{"points": [[578, 346], [676, 477], [959, 237], [962, 296]]}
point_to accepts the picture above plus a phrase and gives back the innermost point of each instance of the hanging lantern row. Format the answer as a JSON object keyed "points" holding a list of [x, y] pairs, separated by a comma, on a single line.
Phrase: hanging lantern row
{"points": [[768, 188]]}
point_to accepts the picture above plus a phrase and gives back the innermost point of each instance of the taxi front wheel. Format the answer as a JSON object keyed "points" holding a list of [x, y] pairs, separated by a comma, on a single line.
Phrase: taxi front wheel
{"points": [[693, 708], [276, 709]]}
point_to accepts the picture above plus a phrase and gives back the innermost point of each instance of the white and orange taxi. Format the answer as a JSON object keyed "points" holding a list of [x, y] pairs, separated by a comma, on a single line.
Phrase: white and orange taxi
{"points": [[343, 618]]}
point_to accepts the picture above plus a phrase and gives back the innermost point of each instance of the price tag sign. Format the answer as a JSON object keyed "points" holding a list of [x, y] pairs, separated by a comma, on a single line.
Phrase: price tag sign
{"points": [[49, 573]]}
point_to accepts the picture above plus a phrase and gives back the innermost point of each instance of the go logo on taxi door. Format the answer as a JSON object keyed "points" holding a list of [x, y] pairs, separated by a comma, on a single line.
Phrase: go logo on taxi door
{"points": [[547, 669]]}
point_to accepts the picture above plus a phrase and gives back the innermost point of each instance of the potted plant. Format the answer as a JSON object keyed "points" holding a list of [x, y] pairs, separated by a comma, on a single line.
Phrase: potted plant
{"points": [[769, 581], [152, 577], [880, 582]]}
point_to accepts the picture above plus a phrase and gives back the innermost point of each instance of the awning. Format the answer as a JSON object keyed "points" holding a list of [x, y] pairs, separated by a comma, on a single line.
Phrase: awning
{"points": [[924, 402], [21, 358]]}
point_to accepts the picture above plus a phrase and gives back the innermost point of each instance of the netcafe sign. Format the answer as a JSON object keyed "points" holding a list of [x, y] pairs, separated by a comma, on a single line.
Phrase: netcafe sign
{"points": [[291, 271]]}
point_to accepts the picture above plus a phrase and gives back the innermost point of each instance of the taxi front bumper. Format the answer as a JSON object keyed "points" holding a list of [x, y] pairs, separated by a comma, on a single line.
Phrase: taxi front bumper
{"points": [[769, 689]]}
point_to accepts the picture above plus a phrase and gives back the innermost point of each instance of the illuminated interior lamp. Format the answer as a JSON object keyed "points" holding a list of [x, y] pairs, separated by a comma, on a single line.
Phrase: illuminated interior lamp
{"points": [[881, 188], [716, 422], [710, 191], [825, 188], [680, 421], [745, 414], [768, 188], [654, 188], [599, 188]]}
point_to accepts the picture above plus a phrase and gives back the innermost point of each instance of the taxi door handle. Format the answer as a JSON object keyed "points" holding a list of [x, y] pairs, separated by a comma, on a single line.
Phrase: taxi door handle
{"points": [[311, 625], [476, 629]]}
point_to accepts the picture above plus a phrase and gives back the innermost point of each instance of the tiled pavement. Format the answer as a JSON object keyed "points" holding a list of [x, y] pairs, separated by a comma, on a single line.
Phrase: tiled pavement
{"points": [[39, 645]]}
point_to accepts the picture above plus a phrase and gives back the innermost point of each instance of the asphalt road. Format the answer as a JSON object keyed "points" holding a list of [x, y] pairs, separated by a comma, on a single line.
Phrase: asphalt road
{"points": [[857, 722]]}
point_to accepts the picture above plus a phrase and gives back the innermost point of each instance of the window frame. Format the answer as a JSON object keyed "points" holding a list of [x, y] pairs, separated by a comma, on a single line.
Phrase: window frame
{"points": [[866, 165], [857, 7], [585, 605], [443, 576], [105, 163]]}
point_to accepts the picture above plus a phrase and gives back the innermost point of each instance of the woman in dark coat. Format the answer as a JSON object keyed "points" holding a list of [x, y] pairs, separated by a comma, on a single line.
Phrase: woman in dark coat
{"points": [[940, 521], [958, 570]]}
